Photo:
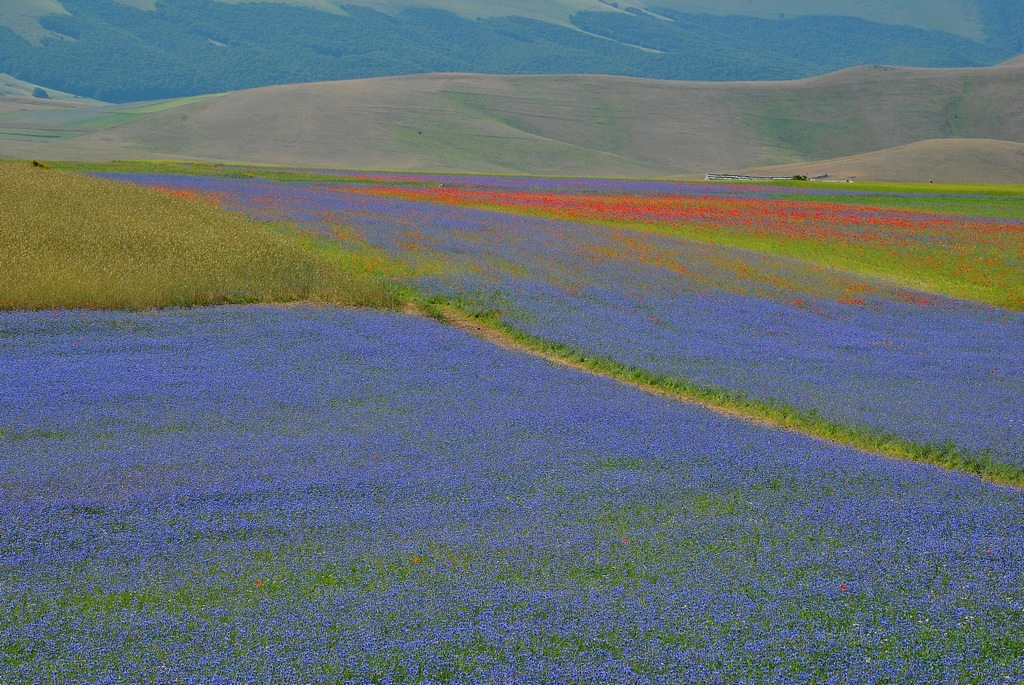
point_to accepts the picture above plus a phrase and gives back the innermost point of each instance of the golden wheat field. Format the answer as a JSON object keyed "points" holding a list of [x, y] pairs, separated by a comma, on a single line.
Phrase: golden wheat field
{"points": [[68, 240]]}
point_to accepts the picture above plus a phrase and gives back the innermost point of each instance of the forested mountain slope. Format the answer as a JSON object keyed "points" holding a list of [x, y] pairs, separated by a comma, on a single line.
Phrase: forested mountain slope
{"points": [[129, 50]]}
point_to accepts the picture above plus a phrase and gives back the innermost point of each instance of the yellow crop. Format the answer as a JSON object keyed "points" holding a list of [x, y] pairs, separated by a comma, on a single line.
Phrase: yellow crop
{"points": [[68, 240]]}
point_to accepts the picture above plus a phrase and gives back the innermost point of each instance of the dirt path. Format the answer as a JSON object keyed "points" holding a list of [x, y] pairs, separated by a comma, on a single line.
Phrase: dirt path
{"points": [[496, 336], [500, 338]]}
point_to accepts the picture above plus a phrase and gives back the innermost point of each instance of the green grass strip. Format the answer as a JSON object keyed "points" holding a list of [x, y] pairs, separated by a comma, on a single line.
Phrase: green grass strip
{"points": [[937, 268], [809, 422], [224, 170], [894, 187]]}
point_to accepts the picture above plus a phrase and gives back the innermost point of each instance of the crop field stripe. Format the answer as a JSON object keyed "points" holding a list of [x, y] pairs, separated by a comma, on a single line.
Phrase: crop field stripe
{"points": [[725, 402], [921, 250], [933, 376]]}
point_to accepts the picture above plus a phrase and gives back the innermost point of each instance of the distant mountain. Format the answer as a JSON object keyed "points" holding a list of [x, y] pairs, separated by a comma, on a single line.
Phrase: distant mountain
{"points": [[573, 125], [129, 50]]}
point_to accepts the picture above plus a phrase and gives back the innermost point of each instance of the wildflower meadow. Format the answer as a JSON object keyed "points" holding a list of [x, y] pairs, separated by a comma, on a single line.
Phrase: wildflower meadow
{"points": [[271, 494], [304, 492], [864, 351]]}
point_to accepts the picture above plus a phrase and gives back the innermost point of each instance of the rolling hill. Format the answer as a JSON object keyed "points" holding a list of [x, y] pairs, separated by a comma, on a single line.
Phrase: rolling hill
{"points": [[130, 50], [17, 95], [593, 125], [940, 161]]}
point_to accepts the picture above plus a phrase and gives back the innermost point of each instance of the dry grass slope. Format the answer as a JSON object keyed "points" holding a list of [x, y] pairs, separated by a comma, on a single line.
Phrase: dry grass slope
{"points": [[572, 125], [73, 241], [939, 161]]}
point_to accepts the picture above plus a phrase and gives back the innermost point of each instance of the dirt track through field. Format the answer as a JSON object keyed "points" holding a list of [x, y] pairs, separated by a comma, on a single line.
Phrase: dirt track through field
{"points": [[502, 339], [496, 336]]}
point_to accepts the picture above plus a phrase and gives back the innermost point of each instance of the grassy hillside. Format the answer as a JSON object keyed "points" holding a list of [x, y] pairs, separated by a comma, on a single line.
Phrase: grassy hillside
{"points": [[12, 87], [22, 17], [939, 161], [20, 96], [73, 241], [561, 125], [873, 108], [140, 50]]}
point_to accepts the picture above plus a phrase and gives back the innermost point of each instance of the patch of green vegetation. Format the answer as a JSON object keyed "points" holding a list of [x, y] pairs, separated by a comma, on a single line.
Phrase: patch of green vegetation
{"points": [[68, 240], [1009, 205], [948, 455], [168, 104], [513, 149], [904, 188], [809, 124], [35, 134], [122, 115], [931, 268], [348, 251], [626, 463], [7, 433], [979, 200], [110, 120], [949, 261], [597, 128], [215, 169]]}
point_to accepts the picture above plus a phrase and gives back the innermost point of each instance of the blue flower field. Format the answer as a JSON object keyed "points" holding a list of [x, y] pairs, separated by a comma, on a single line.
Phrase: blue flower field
{"points": [[294, 494], [770, 327], [309, 493]]}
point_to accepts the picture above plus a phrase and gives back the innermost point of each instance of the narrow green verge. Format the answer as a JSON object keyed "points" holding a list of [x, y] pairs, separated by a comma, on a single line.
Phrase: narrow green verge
{"points": [[227, 170], [810, 422]]}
